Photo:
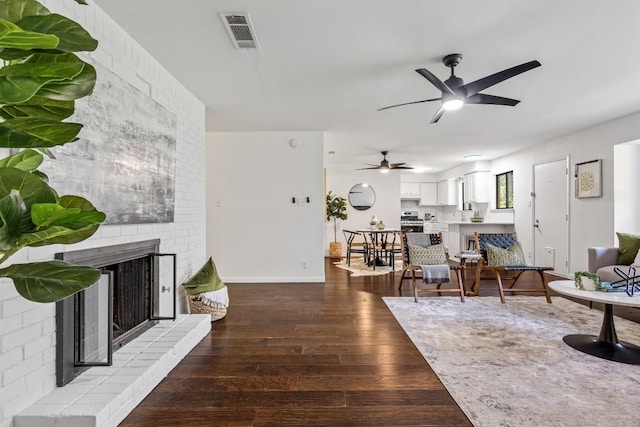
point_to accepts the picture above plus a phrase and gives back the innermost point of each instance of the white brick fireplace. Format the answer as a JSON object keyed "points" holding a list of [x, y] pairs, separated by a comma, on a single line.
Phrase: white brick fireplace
{"points": [[27, 330]]}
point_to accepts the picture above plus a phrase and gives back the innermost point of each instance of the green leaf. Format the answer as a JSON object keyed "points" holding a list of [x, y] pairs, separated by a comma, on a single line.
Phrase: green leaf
{"points": [[87, 208], [31, 188], [12, 36], [81, 85], [31, 132], [81, 2], [50, 281], [48, 236], [52, 214], [45, 215], [15, 10], [20, 82], [73, 38], [27, 160], [38, 106], [14, 223]]}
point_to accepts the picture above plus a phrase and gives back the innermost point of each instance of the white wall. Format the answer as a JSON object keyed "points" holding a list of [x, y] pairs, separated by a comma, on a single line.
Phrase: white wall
{"points": [[254, 231], [386, 208], [27, 330], [592, 219], [626, 179]]}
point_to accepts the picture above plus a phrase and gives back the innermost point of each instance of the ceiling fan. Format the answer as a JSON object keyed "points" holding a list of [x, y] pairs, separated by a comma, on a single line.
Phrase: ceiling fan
{"points": [[455, 93], [385, 166]]}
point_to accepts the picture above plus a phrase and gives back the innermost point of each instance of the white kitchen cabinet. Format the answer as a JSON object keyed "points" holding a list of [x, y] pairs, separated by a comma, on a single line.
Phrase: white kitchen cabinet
{"points": [[409, 190], [428, 194], [476, 187], [447, 192]]}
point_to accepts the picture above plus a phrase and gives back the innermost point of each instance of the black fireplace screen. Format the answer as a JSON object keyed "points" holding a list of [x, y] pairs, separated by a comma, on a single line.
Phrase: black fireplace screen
{"points": [[124, 303]]}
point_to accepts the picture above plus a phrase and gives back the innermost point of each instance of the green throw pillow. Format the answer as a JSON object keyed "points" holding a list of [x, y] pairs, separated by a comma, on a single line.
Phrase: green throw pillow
{"points": [[205, 280], [510, 257], [429, 255], [628, 244]]}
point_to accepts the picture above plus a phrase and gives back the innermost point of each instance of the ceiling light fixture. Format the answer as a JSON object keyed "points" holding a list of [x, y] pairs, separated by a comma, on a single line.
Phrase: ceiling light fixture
{"points": [[472, 156], [452, 104]]}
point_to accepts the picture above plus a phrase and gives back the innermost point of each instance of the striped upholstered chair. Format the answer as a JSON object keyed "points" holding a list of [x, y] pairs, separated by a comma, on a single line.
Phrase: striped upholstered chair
{"points": [[503, 258], [415, 270]]}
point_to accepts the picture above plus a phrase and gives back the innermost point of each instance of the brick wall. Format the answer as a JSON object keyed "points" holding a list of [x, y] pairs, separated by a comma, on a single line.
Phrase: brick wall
{"points": [[27, 330]]}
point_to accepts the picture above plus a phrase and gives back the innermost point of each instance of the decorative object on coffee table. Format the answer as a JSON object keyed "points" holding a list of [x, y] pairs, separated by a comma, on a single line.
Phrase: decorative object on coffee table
{"points": [[587, 281]]}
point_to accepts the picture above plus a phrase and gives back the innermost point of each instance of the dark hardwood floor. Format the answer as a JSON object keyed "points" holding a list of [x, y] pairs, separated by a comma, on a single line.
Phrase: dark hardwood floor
{"points": [[305, 355]]}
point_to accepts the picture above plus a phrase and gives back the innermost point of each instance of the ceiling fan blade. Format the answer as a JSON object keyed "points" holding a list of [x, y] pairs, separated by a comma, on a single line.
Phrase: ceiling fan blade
{"points": [[475, 87], [361, 169], [437, 116], [481, 98], [395, 165], [400, 167], [434, 80], [409, 103]]}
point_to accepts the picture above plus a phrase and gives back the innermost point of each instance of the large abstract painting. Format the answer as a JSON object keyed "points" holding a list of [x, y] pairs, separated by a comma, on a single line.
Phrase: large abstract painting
{"points": [[124, 162]]}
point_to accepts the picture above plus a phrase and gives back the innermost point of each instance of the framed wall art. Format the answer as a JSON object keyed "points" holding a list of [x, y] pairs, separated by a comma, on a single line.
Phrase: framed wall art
{"points": [[589, 179], [125, 158]]}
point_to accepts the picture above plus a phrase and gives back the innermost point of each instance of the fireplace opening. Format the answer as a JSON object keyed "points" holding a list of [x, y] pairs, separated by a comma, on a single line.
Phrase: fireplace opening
{"points": [[131, 297], [124, 303]]}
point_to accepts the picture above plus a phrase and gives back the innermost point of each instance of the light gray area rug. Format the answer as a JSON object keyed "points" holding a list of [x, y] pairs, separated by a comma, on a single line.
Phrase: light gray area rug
{"points": [[506, 364]]}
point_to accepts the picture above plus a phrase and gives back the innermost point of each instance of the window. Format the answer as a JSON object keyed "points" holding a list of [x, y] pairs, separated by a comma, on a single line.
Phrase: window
{"points": [[504, 190]]}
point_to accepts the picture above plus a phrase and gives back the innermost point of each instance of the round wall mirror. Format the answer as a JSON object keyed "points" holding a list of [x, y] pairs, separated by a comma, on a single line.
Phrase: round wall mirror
{"points": [[361, 197]]}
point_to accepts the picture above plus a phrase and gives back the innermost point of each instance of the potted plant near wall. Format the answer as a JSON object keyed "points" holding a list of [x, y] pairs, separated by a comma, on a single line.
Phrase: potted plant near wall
{"points": [[336, 209], [40, 79]]}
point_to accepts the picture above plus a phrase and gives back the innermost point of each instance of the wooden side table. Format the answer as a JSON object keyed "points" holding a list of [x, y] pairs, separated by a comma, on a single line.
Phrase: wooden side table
{"points": [[468, 257]]}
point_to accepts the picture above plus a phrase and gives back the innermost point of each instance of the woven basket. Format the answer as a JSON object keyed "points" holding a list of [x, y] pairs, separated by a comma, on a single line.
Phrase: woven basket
{"points": [[196, 306]]}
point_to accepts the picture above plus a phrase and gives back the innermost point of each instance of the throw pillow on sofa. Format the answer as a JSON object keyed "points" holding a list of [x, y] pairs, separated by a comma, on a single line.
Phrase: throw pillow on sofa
{"points": [[628, 245]]}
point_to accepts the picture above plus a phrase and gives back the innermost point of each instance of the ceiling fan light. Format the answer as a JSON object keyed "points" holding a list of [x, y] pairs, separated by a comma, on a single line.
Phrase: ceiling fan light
{"points": [[452, 104], [384, 170]]}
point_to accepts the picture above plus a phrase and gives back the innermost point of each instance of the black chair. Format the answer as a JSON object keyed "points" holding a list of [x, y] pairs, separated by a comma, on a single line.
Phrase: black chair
{"points": [[355, 245]]}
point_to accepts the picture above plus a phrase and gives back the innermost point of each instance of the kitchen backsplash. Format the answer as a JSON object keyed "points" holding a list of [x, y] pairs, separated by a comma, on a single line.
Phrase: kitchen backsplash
{"points": [[412, 205], [452, 213]]}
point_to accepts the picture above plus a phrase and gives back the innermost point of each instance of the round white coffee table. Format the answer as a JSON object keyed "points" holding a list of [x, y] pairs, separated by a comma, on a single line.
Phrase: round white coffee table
{"points": [[605, 345]]}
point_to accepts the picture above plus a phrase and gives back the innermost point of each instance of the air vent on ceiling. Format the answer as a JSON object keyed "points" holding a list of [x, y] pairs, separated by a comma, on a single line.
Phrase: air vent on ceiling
{"points": [[240, 29]]}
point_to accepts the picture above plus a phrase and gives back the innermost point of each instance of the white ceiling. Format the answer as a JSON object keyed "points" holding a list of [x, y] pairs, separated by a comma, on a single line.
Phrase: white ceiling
{"points": [[328, 65]]}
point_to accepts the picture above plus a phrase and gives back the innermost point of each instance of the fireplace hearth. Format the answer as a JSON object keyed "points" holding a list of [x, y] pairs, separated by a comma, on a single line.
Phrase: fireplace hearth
{"points": [[94, 323]]}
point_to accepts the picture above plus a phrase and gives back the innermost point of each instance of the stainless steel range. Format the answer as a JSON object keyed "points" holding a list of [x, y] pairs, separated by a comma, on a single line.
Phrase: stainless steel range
{"points": [[410, 222]]}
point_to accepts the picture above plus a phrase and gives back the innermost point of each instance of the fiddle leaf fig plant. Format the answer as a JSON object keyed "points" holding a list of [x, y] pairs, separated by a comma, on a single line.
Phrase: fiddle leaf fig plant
{"points": [[336, 209], [40, 80]]}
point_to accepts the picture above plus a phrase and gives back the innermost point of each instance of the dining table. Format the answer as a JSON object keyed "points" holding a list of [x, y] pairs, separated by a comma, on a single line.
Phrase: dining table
{"points": [[382, 242]]}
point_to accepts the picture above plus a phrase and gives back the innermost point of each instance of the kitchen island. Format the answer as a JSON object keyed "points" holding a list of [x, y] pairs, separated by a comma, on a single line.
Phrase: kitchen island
{"points": [[459, 230]]}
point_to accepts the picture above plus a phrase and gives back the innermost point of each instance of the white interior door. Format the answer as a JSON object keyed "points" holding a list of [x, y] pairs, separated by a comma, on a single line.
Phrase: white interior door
{"points": [[551, 215]]}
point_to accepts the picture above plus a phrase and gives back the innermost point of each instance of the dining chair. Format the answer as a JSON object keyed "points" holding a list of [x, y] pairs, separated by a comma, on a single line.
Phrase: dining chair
{"points": [[392, 248], [356, 244], [376, 250], [502, 255]]}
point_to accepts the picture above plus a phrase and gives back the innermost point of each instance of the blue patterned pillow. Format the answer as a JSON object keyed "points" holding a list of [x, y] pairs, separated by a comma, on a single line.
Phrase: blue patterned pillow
{"points": [[429, 255], [510, 257]]}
